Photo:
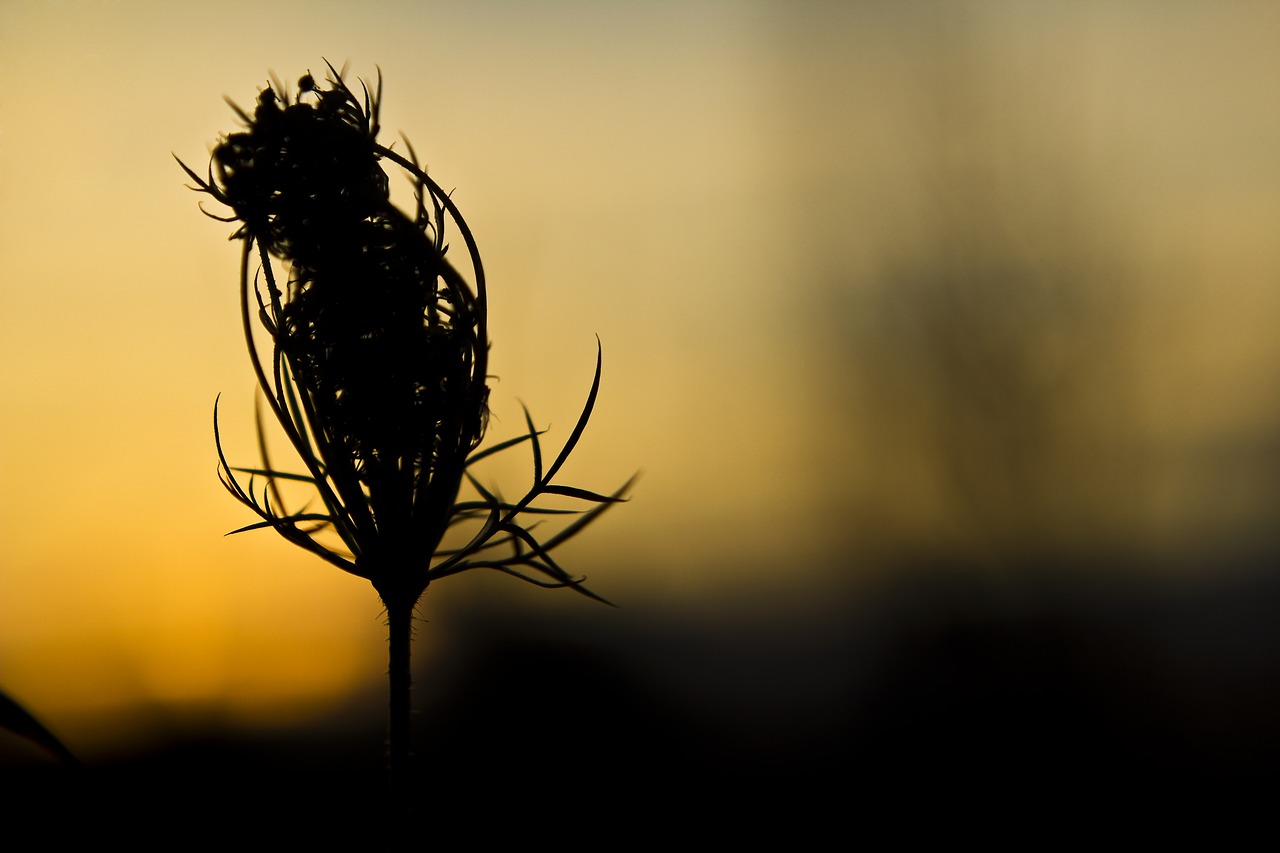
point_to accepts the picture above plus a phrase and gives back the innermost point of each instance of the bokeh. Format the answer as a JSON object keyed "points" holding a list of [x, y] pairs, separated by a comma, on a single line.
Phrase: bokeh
{"points": [[941, 333]]}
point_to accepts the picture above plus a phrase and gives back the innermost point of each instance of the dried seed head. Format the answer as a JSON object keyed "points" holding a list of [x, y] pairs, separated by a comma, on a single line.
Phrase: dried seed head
{"points": [[380, 337], [378, 350], [303, 172]]}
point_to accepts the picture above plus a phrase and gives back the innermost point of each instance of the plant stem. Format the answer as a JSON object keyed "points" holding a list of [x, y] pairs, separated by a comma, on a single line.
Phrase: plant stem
{"points": [[400, 621]]}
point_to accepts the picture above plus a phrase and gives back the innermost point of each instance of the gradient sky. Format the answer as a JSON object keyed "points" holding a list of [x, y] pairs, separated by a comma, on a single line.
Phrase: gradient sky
{"points": [[964, 278]]}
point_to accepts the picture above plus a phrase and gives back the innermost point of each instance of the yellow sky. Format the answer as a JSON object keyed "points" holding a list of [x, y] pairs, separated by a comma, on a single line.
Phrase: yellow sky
{"points": [[869, 280]]}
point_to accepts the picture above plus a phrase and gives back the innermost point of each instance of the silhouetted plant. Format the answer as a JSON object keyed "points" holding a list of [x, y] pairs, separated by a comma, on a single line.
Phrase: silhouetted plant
{"points": [[377, 366]]}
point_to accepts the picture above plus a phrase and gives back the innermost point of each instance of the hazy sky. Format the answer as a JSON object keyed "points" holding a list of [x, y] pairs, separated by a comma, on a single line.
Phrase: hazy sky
{"points": [[870, 279]]}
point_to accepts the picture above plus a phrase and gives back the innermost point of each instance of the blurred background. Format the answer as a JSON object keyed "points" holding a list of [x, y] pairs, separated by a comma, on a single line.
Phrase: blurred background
{"points": [[942, 334]]}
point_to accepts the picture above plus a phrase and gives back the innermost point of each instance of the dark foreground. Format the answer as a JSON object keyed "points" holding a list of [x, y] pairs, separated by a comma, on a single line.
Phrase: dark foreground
{"points": [[937, 709]]}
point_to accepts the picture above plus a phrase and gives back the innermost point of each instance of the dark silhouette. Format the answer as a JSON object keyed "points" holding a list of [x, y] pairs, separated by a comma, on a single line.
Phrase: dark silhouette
{"points": [[377, 367]]}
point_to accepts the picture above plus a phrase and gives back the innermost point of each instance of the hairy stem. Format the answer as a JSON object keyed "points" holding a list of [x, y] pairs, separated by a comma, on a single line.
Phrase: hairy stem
{"points": [[400, 621]]}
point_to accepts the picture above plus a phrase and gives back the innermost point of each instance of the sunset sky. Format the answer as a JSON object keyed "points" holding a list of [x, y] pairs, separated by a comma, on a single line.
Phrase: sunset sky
{"points": [[874, 283]]}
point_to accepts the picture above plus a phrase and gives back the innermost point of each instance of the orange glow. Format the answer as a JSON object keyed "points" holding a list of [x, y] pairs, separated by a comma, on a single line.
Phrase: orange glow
{"points": [[867, 284]]}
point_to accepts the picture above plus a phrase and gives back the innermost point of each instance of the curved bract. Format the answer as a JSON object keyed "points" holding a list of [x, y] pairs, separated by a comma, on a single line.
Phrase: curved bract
{"points": [[379, 351]]}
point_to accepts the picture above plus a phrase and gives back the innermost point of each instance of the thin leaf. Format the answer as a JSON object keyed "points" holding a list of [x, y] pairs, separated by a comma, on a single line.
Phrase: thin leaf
{"points": [[537, 448], [580, 494], [577, 527], [204, 186], [285, 521], [574, 584], [282, 475], [581, 425], [19, 720], [490, 500], [498, 448], [469, 506]]}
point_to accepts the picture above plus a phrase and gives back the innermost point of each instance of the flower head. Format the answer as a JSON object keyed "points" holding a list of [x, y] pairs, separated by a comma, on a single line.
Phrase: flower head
{"points": [[379, 350]]}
